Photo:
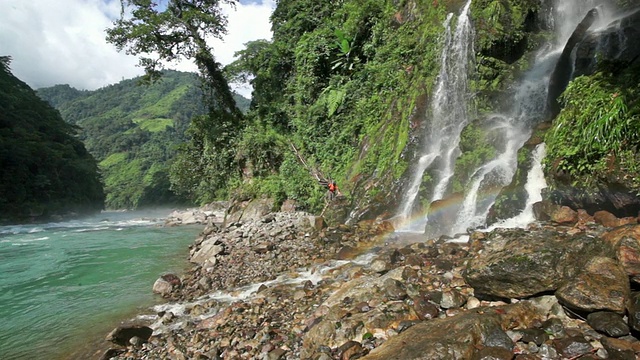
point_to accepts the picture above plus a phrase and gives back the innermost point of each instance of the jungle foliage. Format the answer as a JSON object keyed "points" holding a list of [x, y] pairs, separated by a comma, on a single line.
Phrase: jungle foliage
{"points": [[46, 169], [595, 137], [134, 131], [339, 82]]}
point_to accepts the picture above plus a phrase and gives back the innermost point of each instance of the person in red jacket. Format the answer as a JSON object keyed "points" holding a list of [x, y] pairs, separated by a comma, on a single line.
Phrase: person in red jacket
{"points": [[333, 189]]}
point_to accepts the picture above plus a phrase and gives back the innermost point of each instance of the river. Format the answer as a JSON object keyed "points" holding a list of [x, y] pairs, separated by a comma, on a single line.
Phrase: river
{"points": [[64, 285]]}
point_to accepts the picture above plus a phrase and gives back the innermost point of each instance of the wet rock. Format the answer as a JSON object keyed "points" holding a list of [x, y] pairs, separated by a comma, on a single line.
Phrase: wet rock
{"points": [[602, 286], [608, 323], [618, 349], [424, 309], [572, 347], [516, 263], [493, 353], [454, 337], [122, 334], [452, 299], [165, 284], [633, 308], [626, 242], [536, 336]]}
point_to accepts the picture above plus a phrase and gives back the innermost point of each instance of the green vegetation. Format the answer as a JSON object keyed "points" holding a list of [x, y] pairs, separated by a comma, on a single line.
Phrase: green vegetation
{"points": [[46, 170], [345, 83], [339, 82], [133, 131], [138, 123], [595, 137]]}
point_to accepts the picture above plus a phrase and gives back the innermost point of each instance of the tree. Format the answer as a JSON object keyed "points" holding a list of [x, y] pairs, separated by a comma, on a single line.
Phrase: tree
{"points": [[181, 29]]}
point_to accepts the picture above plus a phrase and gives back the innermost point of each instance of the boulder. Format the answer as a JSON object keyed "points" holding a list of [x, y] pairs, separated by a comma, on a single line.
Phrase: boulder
{"points": [[625, 241], [166, 284], [209, 249], [461, 336], [516, 263], [603, 285], [248, 210], [615, 42], [122, 334]]}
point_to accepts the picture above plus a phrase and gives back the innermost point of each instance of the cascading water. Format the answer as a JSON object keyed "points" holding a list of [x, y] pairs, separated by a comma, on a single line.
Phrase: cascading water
{"points": [[510, 129], [449, 112]]}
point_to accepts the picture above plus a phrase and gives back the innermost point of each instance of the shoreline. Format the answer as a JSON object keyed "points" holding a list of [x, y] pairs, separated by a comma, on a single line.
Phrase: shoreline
{"points": [[93, 344], [371, 307]]}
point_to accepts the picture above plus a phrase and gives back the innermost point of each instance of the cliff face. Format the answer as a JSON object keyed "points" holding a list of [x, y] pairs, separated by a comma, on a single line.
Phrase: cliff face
{"points": [[602, 102]]}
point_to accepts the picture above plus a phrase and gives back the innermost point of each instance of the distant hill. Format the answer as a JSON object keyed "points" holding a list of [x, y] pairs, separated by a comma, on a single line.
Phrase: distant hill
{"points": [[133, 131], [46, 170]]}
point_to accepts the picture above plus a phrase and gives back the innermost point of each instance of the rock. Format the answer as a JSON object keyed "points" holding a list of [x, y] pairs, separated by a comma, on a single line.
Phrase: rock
{"points": [[248, 210], [516, 263], [122, 334], [166, 284], [492, 353], [564, 215], [452, 299], [394, 289], [633, 308], [609, 44], [424, 309], [572, 347], [561, 74], [602, 286], [110, 353], [626, 242], [536, 336], [276, 354], [608, 323], [619, 349], [349, 350], [208, 250], [317, 222], [455, 337], [605, 218]]}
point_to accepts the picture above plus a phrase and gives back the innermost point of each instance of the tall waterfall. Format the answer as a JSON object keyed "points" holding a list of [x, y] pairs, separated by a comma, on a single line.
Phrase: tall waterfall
{"points": [[449, 112], [510, 128]]}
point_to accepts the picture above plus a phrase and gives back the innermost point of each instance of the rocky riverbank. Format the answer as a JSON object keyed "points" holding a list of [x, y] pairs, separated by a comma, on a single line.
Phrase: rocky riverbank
{"points": [[284, 286]]}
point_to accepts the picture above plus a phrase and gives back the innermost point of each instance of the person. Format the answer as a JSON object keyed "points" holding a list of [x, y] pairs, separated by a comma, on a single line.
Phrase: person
{"points": [[333, 189]]}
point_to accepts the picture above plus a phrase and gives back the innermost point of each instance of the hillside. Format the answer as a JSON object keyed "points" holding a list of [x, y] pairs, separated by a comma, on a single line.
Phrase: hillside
{"points": [[134, 130], [46, 170]]}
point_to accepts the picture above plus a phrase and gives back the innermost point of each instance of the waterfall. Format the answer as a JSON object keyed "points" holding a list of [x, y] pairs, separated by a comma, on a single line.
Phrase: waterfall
{"points": [[448, 112], [510, 128], [534, 185]]}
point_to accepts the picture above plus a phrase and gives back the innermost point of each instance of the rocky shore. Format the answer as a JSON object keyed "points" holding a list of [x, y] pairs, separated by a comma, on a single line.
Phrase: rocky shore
{"points": [[283, 285]]}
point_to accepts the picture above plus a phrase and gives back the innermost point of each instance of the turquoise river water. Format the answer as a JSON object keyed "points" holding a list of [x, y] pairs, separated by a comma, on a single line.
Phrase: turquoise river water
{"points": [[64, 285]]}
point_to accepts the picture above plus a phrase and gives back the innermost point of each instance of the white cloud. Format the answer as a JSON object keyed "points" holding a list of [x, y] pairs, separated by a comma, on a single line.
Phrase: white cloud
{"points": [[63, 41]]}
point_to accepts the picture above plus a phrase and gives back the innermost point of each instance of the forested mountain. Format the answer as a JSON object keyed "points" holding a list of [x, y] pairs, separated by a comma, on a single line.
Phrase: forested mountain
{"points": [[46, 170], [133, 130]]}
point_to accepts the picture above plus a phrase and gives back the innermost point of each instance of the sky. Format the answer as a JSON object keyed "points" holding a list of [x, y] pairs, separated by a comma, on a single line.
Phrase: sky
{"points": [[63, 41]]}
